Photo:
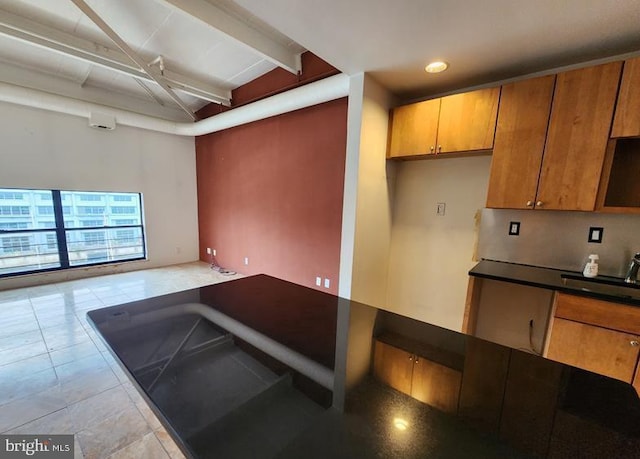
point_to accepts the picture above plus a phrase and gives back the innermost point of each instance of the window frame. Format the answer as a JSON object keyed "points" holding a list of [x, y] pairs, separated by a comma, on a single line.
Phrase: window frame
{"points": [[60, 231]]}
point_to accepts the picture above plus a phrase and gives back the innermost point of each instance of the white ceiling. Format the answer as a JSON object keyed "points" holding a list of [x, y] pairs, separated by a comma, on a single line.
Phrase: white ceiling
{"points": [[218, 45], [484, 41], [198, 52]]}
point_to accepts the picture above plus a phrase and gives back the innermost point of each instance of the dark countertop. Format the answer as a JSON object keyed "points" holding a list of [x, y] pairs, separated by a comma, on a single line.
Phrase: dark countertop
{"points": [[552, 279], [262, 368]]}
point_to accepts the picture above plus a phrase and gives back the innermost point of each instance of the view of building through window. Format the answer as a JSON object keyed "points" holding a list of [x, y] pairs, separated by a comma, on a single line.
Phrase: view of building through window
{"points": [[53, 229]]}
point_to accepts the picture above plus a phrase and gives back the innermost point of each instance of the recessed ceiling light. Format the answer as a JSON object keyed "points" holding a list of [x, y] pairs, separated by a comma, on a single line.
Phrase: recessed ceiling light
{"points": [[436, 67]]}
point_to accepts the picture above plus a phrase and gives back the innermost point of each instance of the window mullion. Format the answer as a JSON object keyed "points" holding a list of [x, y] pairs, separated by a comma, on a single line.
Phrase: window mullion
{"points": [[61, 236]]}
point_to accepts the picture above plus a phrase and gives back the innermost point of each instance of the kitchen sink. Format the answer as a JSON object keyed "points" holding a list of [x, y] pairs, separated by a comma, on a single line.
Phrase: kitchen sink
{"points": [[605, 285]]}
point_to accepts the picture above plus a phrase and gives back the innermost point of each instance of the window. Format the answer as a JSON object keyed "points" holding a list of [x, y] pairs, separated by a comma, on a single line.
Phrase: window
{"points": [[123, 210], [14, 210], [90, 197], [124, 237], [52, 242], [93, 238], [13, 225], [11, 195], [16, 244], [124, 221], [90, 210], [46, 235], [45, 210], [92, 223]]}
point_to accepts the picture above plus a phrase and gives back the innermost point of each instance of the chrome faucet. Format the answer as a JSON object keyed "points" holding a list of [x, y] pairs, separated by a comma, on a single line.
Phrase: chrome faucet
{"points": [[632, 273]]}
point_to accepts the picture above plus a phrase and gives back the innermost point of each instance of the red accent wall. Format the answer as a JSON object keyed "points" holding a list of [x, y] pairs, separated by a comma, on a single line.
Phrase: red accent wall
{"points": [[272, 191]]}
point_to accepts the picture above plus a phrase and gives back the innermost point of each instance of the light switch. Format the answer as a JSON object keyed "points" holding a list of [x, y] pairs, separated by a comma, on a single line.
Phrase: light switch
{"points": [[440, 209], [318, 281], [327, 282]]}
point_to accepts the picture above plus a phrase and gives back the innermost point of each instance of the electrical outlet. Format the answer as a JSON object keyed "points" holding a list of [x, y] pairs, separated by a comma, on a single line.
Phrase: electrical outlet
{"points": [[208, 250], [595, 234], [214, 252], [246, 260], [440, 209], [514, 228], [327, 282], [318, 281]]}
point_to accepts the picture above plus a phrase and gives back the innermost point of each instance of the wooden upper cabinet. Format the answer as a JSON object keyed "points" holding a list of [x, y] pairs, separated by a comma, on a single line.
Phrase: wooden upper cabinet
{"points": [[468, 121], [414, 129], [519, 142], [462, 122], [626, 122], [581, 115]]}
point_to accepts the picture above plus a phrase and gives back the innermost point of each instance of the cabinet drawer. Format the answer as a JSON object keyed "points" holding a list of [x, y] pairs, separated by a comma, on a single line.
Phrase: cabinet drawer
{"points": [[597, 312], [596, 349]]}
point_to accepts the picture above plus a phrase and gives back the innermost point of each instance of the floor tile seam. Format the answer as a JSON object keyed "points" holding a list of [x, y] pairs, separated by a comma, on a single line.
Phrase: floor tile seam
{"points": [[59, 347], [155, 432], [25, 358], [46, 345], [93, 426], [33, 394], [142, 414], [115, 413], [118, 383], [55, 367], [35, 419]]}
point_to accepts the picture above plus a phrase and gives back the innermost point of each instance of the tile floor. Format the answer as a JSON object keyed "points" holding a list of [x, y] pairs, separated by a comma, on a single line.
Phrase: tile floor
{"points": [[57, 377]]}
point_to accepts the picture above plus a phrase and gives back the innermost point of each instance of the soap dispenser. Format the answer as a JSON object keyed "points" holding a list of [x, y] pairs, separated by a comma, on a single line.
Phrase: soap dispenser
{"points": [[591, 268]]}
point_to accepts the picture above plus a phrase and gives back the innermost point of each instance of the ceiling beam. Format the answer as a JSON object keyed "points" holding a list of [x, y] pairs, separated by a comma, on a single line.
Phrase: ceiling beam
{"points": [[120, 43], [240, 32], [46, 37]]}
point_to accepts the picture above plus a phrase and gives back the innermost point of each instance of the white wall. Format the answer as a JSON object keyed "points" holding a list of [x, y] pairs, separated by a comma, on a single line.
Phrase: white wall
{"points": [[505, 310], [431, 255], [368, 201], [45, 150]]}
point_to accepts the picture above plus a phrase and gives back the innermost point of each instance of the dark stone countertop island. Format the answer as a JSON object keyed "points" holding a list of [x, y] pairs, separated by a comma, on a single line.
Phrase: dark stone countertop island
{"points": [[262, 368]]}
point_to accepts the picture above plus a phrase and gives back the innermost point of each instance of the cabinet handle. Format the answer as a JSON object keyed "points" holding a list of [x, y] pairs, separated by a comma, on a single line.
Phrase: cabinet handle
{"points": [[634, 343], [439, 149], [529, 203], [411, 357], [539, 204], [432, 149]]}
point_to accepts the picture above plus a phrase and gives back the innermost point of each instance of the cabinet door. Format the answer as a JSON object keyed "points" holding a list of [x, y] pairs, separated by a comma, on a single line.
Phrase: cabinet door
{"points": [[486, 366], [581, 115], [521, 131], [626, 122], [393, 366], [436, 385], [414, 128], [596, 349], [468, 121]]}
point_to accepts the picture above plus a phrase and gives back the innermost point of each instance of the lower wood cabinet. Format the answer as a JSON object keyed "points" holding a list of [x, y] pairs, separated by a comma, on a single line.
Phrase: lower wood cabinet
{"points": [[596, 335], [607, 352], [430, 382]]}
